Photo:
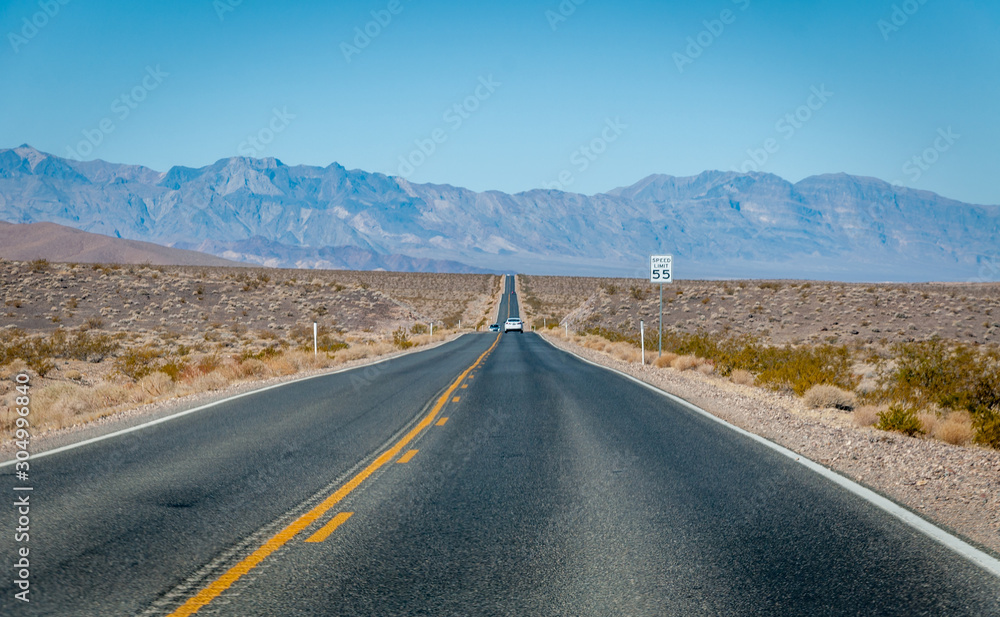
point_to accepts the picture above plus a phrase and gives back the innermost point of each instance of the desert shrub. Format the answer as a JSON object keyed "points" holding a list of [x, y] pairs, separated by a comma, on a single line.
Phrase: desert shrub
{"points": [[986, 424], [742, 377], [39, 350], [796, 368], [823, 396], [627, 354], [90, 348], [57, 404], [211, 381], [801, 368], [156, 384], [665, 360], [928, 422], [136, 363], [263, 354], [41, 365], [401, 339], [419, 328], [254, 368], [866, 415], [452, 320], [955, 429], [900, 419], [325, 339], [950, 376], [173, 369], [15, 345], [329, 344], [38, 265], [684, 363], [208, 364]]}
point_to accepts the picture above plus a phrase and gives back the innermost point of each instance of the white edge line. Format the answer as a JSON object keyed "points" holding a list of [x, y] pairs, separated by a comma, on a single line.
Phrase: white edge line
{"points": [[132, 429], [963, 548]]}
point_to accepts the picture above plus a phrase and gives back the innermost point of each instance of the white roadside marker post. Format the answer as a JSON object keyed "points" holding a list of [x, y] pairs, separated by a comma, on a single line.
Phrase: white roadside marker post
{"points": [[432, 328], [642, 341], [315, 340]]}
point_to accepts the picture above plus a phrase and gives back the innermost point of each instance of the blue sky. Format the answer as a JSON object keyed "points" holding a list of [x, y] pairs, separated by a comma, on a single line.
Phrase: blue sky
{"points": [[584, 96]]}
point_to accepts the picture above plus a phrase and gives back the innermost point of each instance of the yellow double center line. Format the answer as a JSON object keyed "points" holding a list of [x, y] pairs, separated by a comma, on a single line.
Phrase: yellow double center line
{"points": [[224, 582]]}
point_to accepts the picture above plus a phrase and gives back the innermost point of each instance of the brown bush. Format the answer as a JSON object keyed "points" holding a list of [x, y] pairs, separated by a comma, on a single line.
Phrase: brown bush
{"points": [[867, 415], [742, 377], [156, 384], [955, 429], [928, 421], [210, 381], [57, 404], [685, 363], [825, 396], [665, 360]]}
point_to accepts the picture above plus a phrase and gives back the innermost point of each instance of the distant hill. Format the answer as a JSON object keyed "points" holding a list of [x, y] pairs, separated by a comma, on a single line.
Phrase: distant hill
{"points": [[65, 244], [716, 224]]}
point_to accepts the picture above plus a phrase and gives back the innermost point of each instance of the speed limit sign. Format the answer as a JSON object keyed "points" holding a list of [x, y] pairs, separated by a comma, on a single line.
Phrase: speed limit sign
{"points": [[661, 269]]}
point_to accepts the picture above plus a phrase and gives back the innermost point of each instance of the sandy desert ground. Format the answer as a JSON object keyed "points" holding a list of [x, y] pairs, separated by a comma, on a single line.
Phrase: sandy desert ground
{"points": [[102, 338]]}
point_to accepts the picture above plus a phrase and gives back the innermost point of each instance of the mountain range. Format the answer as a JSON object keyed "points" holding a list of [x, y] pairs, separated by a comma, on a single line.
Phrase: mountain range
{"points": [[716, 224]]}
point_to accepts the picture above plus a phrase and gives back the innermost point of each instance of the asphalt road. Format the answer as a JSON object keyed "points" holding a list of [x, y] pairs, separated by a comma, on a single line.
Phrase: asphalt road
{"points": [[552, 488], [509, 306]]}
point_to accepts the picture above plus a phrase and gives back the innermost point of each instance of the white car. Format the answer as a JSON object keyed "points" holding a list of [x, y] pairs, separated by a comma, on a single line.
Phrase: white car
{"points": [[513, 324]]}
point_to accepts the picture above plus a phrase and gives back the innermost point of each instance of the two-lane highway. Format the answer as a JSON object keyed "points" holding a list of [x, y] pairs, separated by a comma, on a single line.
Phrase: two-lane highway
{"points": [[495, 475]]}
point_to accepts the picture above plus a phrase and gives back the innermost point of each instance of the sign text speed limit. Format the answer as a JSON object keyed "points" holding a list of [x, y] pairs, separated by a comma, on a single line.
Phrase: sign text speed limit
{"points": [[661, 269]]}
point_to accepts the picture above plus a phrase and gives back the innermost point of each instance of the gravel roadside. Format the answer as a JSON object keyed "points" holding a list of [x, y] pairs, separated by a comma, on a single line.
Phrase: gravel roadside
{"points": [[958, 488]]}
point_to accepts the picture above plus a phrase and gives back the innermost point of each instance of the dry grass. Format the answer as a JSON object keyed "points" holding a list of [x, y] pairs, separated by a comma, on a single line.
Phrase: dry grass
{"points": [[825, 396], [686, 363], [955, 429], [665, 360], [742, 377], [868, 415], [928, 421], [627, 353]]}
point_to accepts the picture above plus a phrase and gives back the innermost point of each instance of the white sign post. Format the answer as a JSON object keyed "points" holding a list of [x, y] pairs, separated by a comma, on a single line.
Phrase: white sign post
{"points": [[661, 270], [642, 341]]}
